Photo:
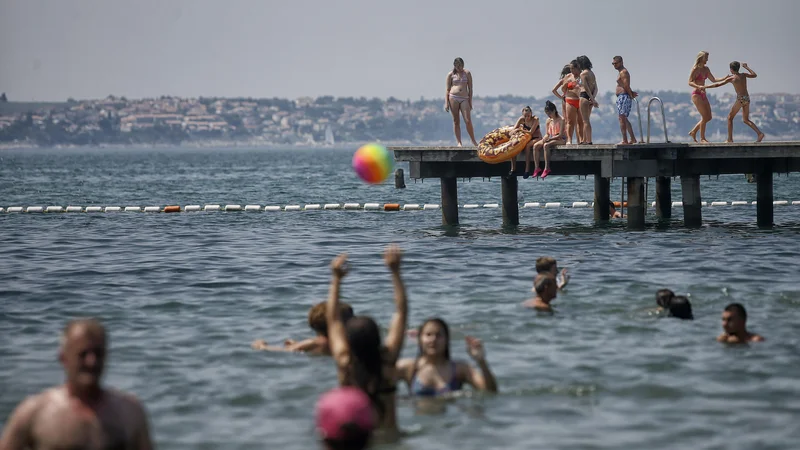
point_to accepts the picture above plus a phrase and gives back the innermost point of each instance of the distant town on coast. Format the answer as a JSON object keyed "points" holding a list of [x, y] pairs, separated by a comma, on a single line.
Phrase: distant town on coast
{"points": [[329, 121]]}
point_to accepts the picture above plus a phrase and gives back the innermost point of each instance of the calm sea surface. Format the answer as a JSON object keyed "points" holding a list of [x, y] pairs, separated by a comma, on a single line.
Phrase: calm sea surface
{"points": [[185, 294]]}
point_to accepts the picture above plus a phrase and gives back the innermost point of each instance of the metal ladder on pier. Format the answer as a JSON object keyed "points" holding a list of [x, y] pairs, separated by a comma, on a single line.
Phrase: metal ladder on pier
{"points": [[641, 136]]}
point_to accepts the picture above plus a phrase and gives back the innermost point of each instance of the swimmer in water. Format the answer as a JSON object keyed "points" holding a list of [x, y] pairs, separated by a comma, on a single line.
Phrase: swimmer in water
{"points": [[317, 345], [547, 264], [345, 419], [734, 325], [546, 290], [663, 297], [680, 307], [81, 413], [433, 373], [362, 359]]}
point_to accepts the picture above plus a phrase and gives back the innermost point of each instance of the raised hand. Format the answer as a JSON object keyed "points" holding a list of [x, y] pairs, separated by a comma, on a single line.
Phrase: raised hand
{"points": [[392, 257], [475, 348], [339, 266]]}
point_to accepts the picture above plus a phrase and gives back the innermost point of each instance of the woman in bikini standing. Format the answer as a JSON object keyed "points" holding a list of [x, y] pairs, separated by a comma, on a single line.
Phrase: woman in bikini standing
{"points": [[588, 92], [571, 86], [697, 80], [459, 99], [566, 70]]}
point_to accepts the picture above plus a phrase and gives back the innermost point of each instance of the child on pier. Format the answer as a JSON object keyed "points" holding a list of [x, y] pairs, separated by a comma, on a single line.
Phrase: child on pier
{"points": [[742, 101]]}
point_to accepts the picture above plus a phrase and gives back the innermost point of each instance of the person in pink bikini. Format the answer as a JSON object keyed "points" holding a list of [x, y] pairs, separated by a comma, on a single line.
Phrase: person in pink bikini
{"points": [[459, 99], [556, 135], [697, 80]]}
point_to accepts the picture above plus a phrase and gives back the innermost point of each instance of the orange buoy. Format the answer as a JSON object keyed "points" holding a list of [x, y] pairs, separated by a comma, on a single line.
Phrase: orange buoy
{"points": [[169, 209], [617, 204], [391, 207], [502, 144]]}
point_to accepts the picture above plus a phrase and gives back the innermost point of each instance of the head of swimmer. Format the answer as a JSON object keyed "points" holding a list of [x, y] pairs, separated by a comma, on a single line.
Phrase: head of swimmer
{"points": [[735, 67], [83, 354], [458, 64], [550, 109], [663, 297], [545, 286], [317, 320], [680, 307], [734, 319], [433, 339]]}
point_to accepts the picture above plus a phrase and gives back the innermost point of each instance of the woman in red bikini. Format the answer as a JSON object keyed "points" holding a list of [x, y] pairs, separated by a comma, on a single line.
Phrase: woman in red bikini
{"points": [[562, 84], [459, 99], [697, 80], [571, 86]]}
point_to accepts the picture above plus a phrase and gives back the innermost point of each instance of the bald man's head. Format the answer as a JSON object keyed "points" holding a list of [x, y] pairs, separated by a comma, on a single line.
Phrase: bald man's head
{"points": [[83, 353]]}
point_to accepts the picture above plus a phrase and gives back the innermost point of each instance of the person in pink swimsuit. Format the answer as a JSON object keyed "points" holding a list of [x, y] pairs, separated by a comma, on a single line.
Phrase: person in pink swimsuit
{"points": [[697, 80], [556, 135], [459, 99]]}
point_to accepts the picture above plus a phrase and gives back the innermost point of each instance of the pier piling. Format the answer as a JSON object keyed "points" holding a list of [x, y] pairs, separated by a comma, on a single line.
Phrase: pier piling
{"points": [[510, 204], [663, 197], [692, 204], [636, 203], [764, 198], [399, 179], [449, 201], [602, 195]]}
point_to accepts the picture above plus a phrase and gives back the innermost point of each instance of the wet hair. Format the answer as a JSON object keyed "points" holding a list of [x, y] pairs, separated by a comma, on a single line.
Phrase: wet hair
{"points": [[544, 281], [357, 439], [549, 107], [699, 59], [663, 297], [317, 320], [565, 71], [545, 264], [584, 63], [735, 66], [737, 309], [366, 358], [680, 307]]}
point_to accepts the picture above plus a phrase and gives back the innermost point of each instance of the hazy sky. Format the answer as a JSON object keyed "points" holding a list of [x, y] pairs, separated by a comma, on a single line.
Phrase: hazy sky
{"points": [[54, 49]]}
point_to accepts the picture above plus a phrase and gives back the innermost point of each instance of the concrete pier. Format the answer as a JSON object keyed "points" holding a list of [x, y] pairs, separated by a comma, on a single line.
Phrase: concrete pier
{"points": [[635, 162]]}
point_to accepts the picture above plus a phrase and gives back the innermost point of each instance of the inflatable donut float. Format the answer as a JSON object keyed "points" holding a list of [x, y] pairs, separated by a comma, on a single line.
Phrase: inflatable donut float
{"points": [[502, 144]]}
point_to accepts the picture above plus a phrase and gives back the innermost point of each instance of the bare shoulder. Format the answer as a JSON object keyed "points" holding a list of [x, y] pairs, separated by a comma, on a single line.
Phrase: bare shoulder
{"points": [[126, 400], [757, 338]]}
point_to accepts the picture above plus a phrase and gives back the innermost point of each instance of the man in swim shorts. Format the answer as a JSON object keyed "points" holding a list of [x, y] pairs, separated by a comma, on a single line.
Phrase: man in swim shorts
{"points": [[547, 264], [734, 324], [742, 102], [81, 413], [625, 98], [546, 290]]}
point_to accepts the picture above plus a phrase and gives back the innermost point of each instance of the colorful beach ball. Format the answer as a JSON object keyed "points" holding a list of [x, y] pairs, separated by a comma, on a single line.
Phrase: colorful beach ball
{"points": [[373, 163]]}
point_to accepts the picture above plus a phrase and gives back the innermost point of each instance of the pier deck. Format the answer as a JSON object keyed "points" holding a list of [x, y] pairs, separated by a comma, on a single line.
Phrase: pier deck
{"points": [[634, 162]]}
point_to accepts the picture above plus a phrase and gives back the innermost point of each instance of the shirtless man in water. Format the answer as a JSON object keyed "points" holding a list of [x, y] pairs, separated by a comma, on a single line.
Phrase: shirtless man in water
{"points": [[80, 414], [734, 324], [742, 101], [625, 98]]}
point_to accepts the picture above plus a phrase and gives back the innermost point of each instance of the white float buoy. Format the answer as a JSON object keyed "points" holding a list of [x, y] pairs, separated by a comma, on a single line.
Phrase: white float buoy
{"points": [[91, 209], [191, 208], [272, 208], [491, 205], [211, 208], [796, 202], [703, 203], [54, 209], [532, 205], [738, 203], [754, 203], [410, 207], [552, 205], [470, 206], [780, 202], [430, 206], [311, 207], [152, 209], [1, 210], [34, 209], [352, 206], [112, 209], [580, 204], [653, 205], [719, 203], [252, 207], [292, 208], [233, 207], [14, 209], [133, 209], [372, 206], [677, 204], [332, 206]]}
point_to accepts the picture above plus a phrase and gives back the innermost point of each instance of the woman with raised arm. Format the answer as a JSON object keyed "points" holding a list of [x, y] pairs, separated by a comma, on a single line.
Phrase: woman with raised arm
{"points": [[459, 99], [362, 360], [697, 80], [562, 85], [432, 373]]}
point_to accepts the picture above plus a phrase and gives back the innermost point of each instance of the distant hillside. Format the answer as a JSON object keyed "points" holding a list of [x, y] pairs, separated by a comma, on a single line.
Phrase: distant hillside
{"points": [[10, 108]]}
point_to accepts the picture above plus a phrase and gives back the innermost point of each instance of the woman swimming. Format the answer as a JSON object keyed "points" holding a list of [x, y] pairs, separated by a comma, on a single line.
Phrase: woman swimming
{"points": [[361, 359], [555, 136], [697, 80], [459, 99], [433, 373]]}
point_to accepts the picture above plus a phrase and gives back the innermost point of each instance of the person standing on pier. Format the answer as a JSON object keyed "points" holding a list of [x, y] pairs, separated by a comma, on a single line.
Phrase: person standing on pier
{"points": [[588, 93], [562, 85], [625, 98], [697, 79], [739, 81], [459, 99]]}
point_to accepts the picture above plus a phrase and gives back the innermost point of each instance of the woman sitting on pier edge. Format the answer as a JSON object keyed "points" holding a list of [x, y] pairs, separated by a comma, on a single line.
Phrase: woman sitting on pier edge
{"points": [[555, 136], [529, 123], [433, 373]]}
